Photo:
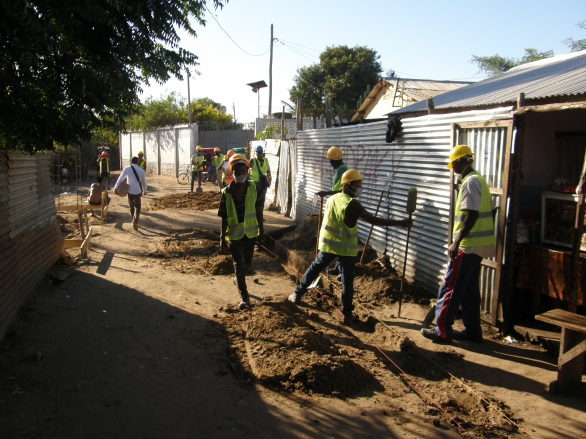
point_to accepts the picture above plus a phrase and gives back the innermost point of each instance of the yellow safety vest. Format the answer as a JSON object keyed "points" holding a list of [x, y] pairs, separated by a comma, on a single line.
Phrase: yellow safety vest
{"points": [[249, 227], [483, 231], [104, 168], [197, 163], [255, 166], [335, 236], [217, 161]]}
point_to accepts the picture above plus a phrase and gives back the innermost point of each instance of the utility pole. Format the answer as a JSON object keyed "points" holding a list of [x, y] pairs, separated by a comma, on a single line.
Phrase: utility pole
{"points": [[188, 100], [271, 75]]}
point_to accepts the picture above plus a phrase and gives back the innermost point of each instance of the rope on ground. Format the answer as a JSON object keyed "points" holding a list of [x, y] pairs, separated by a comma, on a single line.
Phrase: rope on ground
{"points": [[402, 373]]}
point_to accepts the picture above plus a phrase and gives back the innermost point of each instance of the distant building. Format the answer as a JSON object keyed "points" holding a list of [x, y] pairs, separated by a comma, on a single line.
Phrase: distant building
{"points": [[391, 94]]}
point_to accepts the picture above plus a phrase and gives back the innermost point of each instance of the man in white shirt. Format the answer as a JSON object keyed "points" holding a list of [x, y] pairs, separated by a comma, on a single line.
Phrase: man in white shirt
{"points": [[136, 179]]}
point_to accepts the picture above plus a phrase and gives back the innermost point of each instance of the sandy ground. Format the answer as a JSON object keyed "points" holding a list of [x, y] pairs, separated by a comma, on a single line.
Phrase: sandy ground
{"points": [[143, 339]]}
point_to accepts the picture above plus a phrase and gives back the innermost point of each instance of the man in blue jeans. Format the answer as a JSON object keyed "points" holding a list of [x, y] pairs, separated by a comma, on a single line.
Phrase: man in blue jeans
{"points": [[473, 240], [338, 238]]}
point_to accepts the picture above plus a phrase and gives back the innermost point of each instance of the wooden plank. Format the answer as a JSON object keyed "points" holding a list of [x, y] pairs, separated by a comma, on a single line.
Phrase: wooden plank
{"points": [[71, 243], [85, 246], [564, 319]]}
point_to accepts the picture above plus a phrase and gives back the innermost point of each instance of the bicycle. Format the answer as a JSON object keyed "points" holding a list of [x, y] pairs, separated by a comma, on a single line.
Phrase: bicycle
{"points": [[185, 177]]}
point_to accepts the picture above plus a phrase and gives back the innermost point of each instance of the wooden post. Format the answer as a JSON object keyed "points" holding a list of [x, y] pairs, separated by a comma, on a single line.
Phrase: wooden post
{"points": [[577, 241]]}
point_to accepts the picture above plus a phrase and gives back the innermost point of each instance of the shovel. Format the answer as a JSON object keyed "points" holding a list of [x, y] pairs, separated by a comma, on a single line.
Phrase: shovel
{"points": [[411, 204]]}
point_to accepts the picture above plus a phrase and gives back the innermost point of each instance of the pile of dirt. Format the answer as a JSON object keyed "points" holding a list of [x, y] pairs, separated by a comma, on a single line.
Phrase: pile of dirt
{"points": [[285, 350], [198, 251], [306, 349], [190, 200]]}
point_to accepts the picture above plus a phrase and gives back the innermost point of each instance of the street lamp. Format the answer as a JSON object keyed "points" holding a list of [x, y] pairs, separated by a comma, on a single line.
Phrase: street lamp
{"points": [[256, 86]]}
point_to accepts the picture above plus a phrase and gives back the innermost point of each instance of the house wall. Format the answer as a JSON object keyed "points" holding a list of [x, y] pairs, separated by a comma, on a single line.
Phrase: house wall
{"points": [[225, 140], [539, 153]]}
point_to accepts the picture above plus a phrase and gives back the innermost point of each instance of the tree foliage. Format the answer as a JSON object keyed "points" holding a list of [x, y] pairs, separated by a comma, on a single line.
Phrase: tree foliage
{"points": [[496, 64], [173, 110], [341, 78], [69, 66], [576, 45]]}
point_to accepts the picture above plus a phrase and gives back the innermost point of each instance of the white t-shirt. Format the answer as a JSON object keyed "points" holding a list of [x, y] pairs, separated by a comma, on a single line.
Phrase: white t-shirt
{"points": [[471, 193]]}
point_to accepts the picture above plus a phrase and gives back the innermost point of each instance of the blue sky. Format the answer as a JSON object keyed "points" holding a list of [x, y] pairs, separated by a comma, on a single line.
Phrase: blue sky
{"points": [[425, 39]]}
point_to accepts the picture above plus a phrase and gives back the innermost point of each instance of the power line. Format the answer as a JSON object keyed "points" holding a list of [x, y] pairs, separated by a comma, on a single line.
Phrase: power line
{"points": [[232, 39], [297, 51]]}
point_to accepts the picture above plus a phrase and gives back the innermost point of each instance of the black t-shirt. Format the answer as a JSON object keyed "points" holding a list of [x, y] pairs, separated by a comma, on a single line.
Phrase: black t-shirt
{"points": [[240, 207]]}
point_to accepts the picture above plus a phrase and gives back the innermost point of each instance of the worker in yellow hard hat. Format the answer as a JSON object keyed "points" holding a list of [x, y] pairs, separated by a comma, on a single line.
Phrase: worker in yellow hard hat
{"points": [[217, 161], [242, 226], [338, 239], [141, 161], [473, 239], [334, 155], [197, 165]]}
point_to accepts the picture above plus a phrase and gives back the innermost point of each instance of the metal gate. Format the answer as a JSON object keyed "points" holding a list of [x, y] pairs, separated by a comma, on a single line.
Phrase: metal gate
{"points": [[491, 142]]}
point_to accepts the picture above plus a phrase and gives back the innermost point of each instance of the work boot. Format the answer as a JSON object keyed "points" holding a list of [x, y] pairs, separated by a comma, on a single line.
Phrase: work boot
{"points": [[350, 319], [294, 298], [432, 335]]}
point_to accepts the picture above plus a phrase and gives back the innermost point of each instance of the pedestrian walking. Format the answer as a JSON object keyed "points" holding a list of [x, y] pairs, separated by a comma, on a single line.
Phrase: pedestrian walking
{"points": [[242, 226], [136, 178]]}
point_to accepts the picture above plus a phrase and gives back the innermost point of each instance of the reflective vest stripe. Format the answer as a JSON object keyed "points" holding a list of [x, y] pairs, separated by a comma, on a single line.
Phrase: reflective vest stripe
{"points": [[483, 231]]}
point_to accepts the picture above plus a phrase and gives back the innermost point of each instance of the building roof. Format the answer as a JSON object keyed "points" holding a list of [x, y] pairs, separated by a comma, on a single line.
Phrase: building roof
{"points": [[555, 79], [392, 93]]}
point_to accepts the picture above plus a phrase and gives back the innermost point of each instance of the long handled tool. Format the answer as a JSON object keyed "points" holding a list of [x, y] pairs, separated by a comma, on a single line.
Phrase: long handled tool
{"points": [[411, 205], [321, 208], [371, 227]]}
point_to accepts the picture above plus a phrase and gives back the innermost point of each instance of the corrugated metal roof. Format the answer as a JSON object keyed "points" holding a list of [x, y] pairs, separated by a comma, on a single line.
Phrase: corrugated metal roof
{"points": [[560, 76]]}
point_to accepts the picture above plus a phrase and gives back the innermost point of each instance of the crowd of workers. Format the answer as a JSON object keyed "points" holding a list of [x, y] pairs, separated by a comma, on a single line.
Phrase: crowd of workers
{"points": [[243, 183]]}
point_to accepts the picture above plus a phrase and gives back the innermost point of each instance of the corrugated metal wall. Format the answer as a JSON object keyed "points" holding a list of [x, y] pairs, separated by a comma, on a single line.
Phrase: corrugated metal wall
{"points": [[30, 240], [418, 159]]}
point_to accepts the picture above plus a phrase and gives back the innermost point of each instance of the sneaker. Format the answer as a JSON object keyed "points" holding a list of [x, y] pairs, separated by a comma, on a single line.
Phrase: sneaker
{"points": [[464, 336], [434, 336], [294, 298], [428, 318], [135, 225], [244, 304], [350, 318]]}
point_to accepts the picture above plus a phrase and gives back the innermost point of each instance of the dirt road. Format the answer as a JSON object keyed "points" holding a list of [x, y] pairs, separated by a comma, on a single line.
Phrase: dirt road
{"points": [[143, 340]]}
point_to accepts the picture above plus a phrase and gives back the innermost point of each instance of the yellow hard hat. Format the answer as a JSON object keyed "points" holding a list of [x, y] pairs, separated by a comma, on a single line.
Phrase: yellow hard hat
{"points": [[230, 153], [351, 175], [237, 158], [140, 153], [216, 149], [199, 148], [334, 153], [458, 152]]}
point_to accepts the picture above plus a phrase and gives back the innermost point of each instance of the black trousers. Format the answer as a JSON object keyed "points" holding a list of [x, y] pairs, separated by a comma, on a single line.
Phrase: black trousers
{"points": [[242, 251]]}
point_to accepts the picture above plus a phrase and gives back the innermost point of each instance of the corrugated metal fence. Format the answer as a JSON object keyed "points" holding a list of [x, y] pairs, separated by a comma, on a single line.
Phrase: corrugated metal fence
{"points": [[30, 240], [418, 159]]}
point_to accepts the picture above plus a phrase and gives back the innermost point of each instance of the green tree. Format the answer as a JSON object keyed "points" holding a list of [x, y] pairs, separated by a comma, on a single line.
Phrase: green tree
{"points": [[309, 88], [69, 66], [496, 64], [173, 110], [576, 45], [341, 77]]}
